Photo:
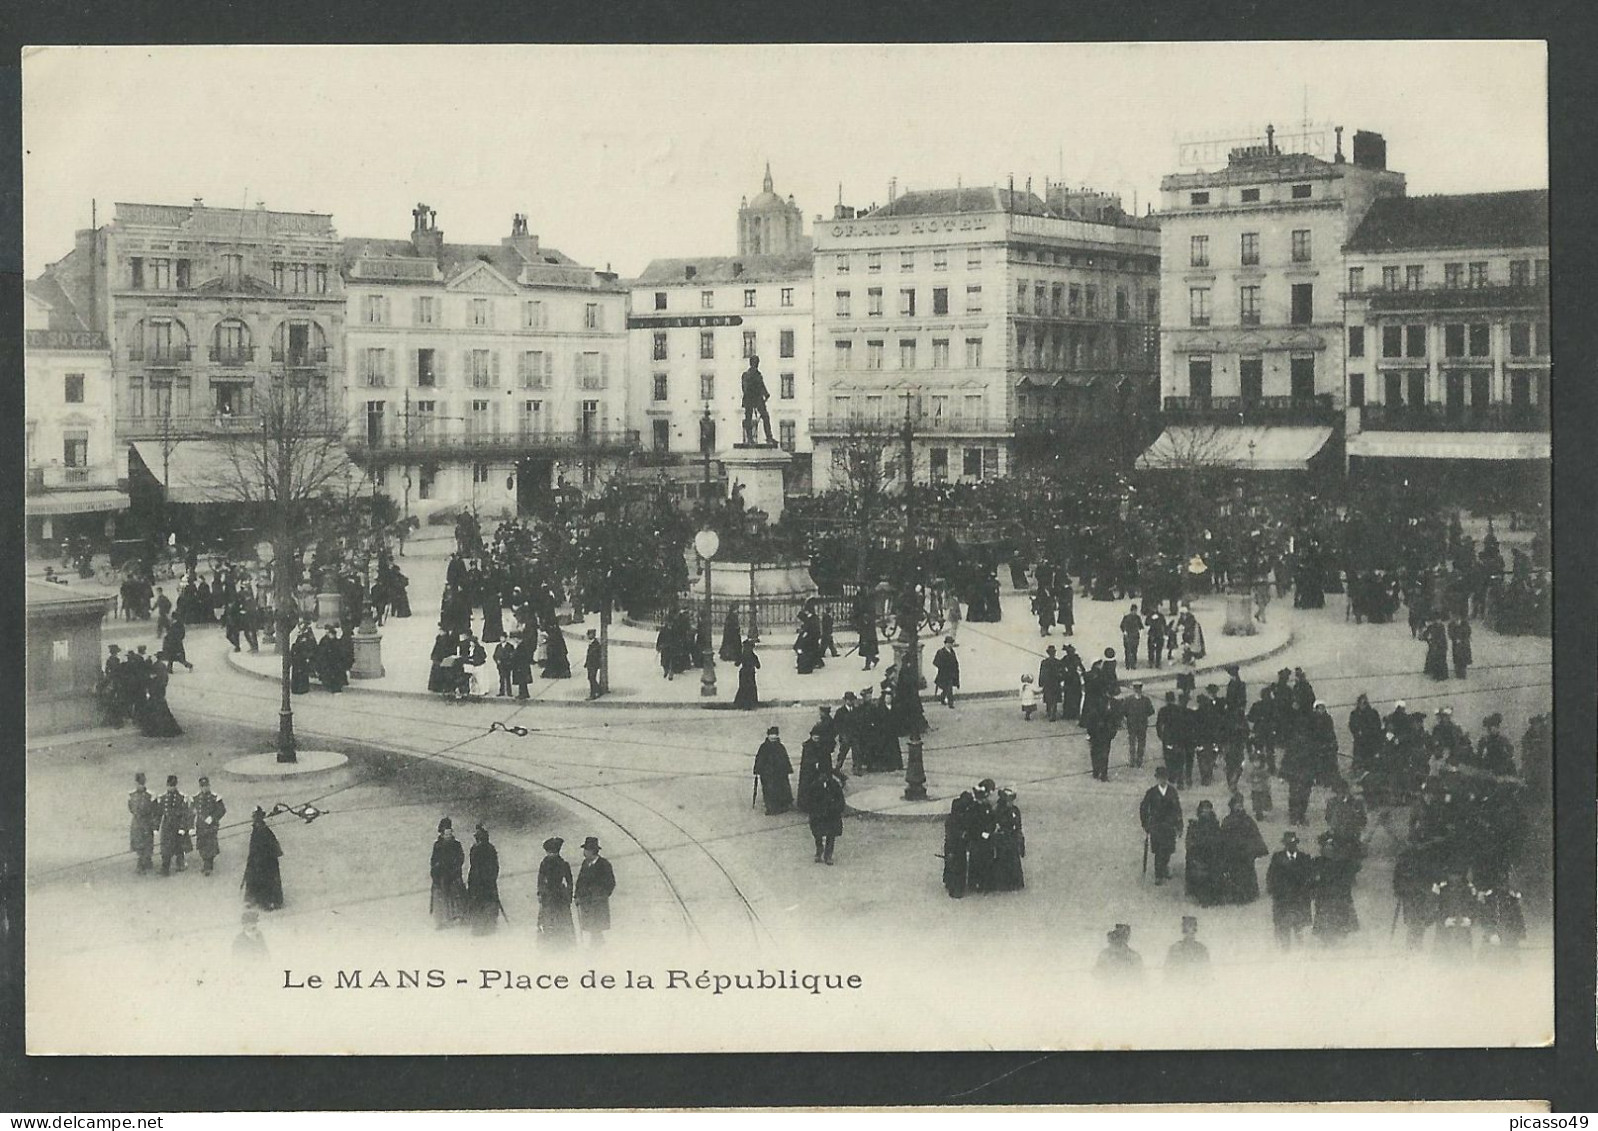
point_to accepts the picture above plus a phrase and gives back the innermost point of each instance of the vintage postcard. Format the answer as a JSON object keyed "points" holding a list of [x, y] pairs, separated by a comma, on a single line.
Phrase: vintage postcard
{"points": [[753, 548]]}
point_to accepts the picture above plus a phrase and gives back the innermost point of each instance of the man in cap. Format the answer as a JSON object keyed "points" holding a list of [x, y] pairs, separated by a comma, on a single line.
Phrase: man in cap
{"points": [[1188, 959], [209, 810], [1160, 814], [1051, 683], [595, 883], [1131, 631], [141, 824], [173, 818], [947, 666], [1137, 710], [1236, 691], [1290, 880], [1118, 961]]}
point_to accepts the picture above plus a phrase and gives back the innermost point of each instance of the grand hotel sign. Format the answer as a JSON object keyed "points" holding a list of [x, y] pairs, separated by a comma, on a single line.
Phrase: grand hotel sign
{"points": [[915, 226]]}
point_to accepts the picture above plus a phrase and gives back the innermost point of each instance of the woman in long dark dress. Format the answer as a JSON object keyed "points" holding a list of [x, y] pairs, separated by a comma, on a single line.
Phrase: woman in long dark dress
{"points": [[826, 815], [557, 664], [955, 848], [1241, 845], [447, 900], [302, 661], [155, 719], [493, 613], [482, 885], [263, 881], [443, 649], [731, 639], [398, 593], [748, 697], [1436, 638], [1335, 869], [773, 769], [1203, 852], [555, 929], [1009, 844]]}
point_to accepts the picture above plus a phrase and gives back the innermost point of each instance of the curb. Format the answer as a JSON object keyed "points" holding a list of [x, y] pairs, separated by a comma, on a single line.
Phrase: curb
{"points": [[1168, 675]]}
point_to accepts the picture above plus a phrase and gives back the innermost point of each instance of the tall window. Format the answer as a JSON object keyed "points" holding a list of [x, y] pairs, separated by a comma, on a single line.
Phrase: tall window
{"points": [[1040, 299], [1453, 275], [707, 344], [842, 264], [1251, 377], [973, 299], [1415, 341], [907, 261], [1198, 306], [973, 258], [74, 388], [1414, 276], [593, 317], [1356, 341], [973, 353], [1057, 300], [1303, 312], [482, 368], [1454, 340], [277, 276], [1199, 251], [707, 386], [749, 298], [1301, 245], [707, 300], [1520, 339], [940, 300], [660, 300], [75, 449], [1248, 303], [1478, 274], [299, 278], [940, 259], [842, 308], [161, 274], [1480, 340], [785, 343], [907, 353], [533, 369], [787, 435], [1520, 272], [787, 296], [535, 316], [1301, 373], [874, 262], [907, 301], [426, 368], [1393, 341], [874, 352], [660, 435], [658, 387], [658, 350], [375, 367], [1250, 249], [480, 310], [1389, 278], [940, 353], [874, 302], [1198, 378], [232, 267], [1091, 300], [1074, 300], [321, 278], [375, 309], [842, 355], [750, 349], [1356, 279], [785, 386]]}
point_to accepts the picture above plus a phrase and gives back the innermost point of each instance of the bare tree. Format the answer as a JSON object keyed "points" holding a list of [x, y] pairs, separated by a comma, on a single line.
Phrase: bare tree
{"points": [[864, 460], [287, 467]]}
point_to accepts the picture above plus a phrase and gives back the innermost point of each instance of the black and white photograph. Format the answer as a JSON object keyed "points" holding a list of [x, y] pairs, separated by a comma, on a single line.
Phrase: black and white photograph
{"points": [[788, 548]]}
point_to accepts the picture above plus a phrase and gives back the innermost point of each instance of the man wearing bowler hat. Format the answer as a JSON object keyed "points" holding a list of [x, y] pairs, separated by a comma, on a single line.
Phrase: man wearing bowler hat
{"points": [[947, 665], [595, 883], [1290, 880]]}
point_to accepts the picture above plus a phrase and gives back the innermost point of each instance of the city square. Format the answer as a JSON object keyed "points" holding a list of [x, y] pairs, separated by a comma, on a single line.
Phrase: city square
{"points": [[860, 637]]}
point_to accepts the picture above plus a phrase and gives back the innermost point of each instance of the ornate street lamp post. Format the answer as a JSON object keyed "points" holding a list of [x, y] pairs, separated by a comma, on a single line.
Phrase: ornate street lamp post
{"points": [[706, 543]]}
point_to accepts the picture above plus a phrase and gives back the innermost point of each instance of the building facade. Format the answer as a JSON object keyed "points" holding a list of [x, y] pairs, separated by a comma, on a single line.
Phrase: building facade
{"points": [[1251, 338], [482, 377], [1447, 345], [77, 472], [983, 317]]}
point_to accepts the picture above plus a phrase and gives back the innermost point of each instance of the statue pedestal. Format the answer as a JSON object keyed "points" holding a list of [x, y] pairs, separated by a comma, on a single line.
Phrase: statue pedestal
{"points": [[759, 470], [368, 652], [1239, 615], [330, 608]]}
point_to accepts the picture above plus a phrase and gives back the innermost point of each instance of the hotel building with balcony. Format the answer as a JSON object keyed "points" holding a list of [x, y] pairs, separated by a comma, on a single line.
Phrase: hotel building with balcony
{"points": [[1447, 361], [1000, 324], [482, 376], [1252, 331], [77, 472], [202, 309], [693, 326]]}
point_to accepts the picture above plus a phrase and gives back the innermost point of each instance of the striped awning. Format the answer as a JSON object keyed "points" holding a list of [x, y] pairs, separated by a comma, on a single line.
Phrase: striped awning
{"points": [[53, 503], [192, 471], [1247, 448], [1451, 445]]}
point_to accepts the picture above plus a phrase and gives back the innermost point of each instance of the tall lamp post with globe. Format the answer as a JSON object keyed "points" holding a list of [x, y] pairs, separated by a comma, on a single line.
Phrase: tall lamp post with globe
{"points": [[706, 543]]}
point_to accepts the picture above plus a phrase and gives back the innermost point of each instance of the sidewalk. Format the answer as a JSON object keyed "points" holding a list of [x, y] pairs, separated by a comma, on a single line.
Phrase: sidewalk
{"points": [[992, 659]]}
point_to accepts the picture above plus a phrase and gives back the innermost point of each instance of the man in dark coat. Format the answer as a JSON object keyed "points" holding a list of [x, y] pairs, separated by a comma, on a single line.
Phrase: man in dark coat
{"points": [[826, 815], [1236, 691], [1290, 881], [1160, 814], [1365, 726], [1170, 726], [209, 809], [1459, 645], [141, 824], [1131, 630], [592, 663], [947, 666], [1188, 960], [596, 882], [773, 769], [1071, 673], [523, 650], [173, 818], [1051, 683], [1154, 625], [955, 847], [1102, 720]]}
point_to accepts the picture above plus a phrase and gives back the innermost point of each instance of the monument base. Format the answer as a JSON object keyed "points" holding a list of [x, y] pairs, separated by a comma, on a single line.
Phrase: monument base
{"points": [[758, 472]]}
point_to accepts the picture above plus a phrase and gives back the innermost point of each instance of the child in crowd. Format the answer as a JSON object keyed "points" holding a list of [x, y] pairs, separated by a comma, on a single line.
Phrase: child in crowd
{"points": [[1029, 698], [1257, 772]]}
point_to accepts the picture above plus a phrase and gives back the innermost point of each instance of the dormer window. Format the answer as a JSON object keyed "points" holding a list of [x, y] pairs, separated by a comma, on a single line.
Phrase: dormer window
{"points": [[1198, 198]]}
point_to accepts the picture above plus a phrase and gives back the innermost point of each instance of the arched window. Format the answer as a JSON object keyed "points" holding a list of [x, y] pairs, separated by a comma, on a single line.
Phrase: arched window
{"points": [[231, 343], [299, 343]]}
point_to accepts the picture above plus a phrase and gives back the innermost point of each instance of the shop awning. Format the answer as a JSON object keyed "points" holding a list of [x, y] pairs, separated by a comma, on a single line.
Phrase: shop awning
{"points": [[1248, 448], [199, 470], [77, 502], [1451, 445]]}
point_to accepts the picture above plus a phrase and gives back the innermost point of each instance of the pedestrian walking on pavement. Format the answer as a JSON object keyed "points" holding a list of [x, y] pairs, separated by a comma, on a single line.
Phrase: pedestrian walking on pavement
{"points": [[555, 930], [596, 883], [1160, 814]]}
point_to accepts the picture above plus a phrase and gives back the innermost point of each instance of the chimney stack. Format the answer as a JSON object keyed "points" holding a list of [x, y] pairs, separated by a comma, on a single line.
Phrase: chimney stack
{"points": [[1338, 158], [520, 239], [425, 236]]}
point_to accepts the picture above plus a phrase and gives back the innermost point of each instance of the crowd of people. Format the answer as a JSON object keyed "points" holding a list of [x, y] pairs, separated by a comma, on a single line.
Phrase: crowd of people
{"points": [[132, 687]]}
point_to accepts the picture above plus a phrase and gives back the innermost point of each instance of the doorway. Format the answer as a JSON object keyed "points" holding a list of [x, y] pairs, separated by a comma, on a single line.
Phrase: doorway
{"points": [[534, 478]]}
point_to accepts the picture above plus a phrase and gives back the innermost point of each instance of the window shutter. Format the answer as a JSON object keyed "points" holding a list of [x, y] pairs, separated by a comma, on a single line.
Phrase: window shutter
{"points": [[440, 369], [493, 367], [604, 370], [466, 369], [494, 416], [599, 317], [416, 311], [388, 375], [549, 368], [412, 367], [491, 305], [577, 369]]}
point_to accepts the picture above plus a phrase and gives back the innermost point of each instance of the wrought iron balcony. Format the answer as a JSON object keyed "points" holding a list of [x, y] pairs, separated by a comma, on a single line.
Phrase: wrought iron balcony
{"points": [[923, 423], [308, 358], [1440, 297], [1319, 409], [58, 477], [438, 441], [1497, 417], [231, 355], [161, 355]]}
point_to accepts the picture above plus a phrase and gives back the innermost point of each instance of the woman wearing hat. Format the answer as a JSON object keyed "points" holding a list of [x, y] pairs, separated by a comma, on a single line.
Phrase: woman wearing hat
{"points": [[773, 769], [1203, 856], [482, 885], [748, 697], [263, 881], [447, 900], [596, 881], [1241, 845], [1009, 844], [555, 898]]}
